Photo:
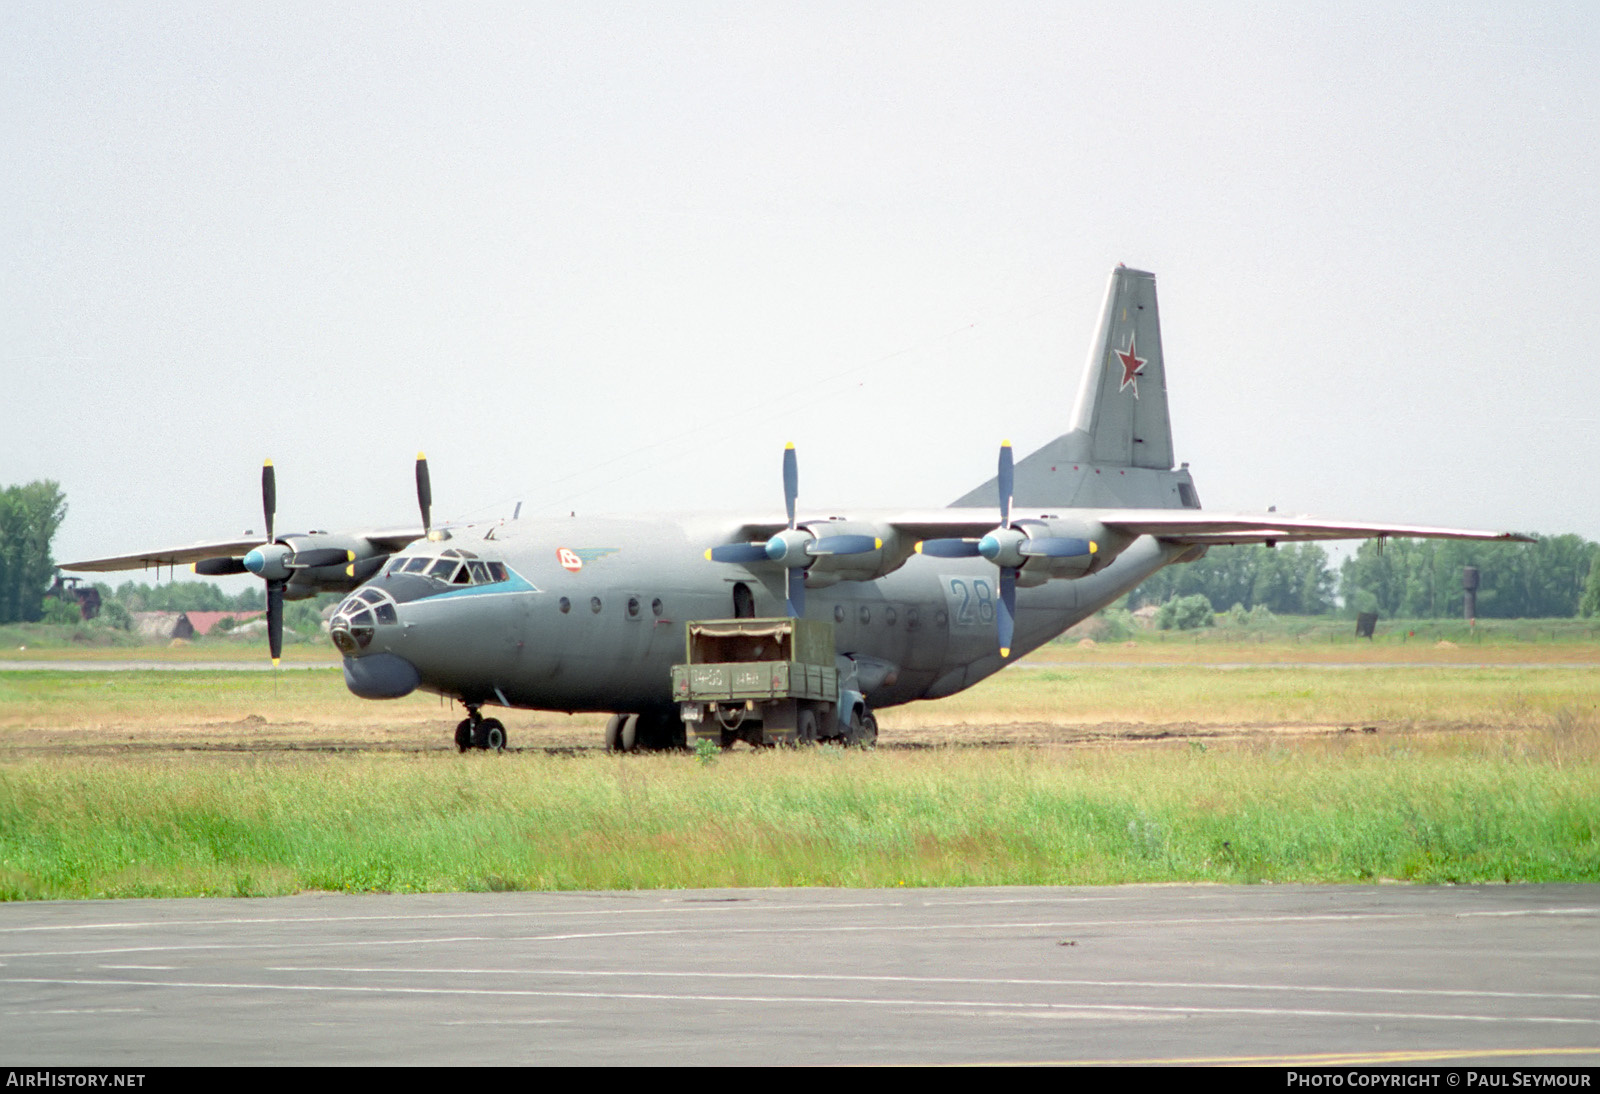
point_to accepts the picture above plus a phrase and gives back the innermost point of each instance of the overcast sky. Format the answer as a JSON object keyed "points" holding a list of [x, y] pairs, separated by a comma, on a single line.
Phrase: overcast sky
{"points": [[610, 257]]}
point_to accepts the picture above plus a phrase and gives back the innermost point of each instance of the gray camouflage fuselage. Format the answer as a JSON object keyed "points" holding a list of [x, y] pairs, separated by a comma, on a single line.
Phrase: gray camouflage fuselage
{"points": [[924, 631]]}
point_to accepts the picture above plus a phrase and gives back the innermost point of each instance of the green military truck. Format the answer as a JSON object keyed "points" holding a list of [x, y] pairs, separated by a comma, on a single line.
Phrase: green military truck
{"points": [[769, 681]]}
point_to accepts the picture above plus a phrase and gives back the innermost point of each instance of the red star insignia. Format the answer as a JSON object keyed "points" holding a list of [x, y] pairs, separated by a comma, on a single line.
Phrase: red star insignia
{"points": [[1132, 363]]}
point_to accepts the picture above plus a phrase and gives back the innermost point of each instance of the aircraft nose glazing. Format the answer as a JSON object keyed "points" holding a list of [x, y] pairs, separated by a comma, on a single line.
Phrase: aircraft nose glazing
{"points": [[358, 618]]}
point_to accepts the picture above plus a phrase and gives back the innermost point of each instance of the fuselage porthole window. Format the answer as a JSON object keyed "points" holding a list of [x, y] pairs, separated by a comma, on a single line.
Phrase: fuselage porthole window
{"points": [[565, 605], [594, 604], [656, 607], [838, 613], [633, 607]]}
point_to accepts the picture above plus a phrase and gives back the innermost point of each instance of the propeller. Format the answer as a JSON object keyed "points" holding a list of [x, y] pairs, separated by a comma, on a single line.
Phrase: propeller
{"points": [[277, 563], [1009, 547], [424, 493], [794, 548], [276, 583]]}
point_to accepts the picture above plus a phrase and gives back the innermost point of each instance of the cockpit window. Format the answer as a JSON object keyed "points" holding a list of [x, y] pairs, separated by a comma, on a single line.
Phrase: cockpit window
{"points": [[452, 567]]}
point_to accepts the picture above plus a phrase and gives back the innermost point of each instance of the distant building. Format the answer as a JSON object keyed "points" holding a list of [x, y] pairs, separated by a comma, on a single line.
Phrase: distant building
{"points": [[201, 623], [158, 625], [185, 624]]}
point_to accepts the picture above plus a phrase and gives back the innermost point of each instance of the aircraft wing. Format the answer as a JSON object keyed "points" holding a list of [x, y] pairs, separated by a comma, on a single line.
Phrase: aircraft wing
{"points": [[167, 556], [1185, 526], [1193, 526], [393, 539]]}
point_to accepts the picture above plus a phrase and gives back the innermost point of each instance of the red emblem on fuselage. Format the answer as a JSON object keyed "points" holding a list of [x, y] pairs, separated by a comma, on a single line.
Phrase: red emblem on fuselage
{"points": [[569, 559], [1132, 365]]}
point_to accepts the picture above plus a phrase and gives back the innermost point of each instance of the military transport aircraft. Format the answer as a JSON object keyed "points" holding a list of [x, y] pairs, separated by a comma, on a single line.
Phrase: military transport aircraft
{"points": [[588, 614]]}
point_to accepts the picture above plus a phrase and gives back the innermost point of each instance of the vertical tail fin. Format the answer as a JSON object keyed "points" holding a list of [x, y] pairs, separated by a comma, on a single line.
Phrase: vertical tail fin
{"points": [[1118, 453], [1122, 405]]}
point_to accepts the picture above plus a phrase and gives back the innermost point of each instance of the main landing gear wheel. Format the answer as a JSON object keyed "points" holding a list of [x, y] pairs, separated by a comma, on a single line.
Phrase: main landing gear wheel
{"points": [[649, 732], [622, 733], [491, 735], [476, 731]]}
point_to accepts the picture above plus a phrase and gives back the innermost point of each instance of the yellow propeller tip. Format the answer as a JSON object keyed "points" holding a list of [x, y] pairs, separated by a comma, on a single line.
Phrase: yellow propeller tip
{"points": [[918, 547], [1005, 651], [1005, 444], [266, 463], [1093, 547], [274, 662], [708, 554], [789, 445], [877, 543], [422, 455]]}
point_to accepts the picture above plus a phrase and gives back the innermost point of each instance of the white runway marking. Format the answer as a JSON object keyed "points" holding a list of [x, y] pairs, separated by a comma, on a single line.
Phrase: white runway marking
{"points": [[979, 1005], [1180, 985], [141, 968], [655, 909], [826, 928]]}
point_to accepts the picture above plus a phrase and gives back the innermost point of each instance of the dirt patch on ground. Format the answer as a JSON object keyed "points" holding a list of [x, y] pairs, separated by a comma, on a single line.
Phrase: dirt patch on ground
{"points": [[256, 734]]}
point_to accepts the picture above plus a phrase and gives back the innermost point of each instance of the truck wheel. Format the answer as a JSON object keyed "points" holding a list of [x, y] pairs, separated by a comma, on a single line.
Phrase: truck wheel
{"points": [[869, 730], [805, 727], [862, 731]]}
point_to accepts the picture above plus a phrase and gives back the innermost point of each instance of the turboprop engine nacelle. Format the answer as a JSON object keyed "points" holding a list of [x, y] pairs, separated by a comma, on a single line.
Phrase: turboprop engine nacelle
{"points": [[315, 562], [826, 568], [1101, 547]]}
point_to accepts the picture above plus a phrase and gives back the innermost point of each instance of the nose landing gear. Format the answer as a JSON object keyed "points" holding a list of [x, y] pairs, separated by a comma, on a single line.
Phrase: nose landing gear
{"points": [[476, 731]]}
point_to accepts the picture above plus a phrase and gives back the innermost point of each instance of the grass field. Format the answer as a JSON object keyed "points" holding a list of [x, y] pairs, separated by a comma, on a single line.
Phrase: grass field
{"points": [[1099, 767]]}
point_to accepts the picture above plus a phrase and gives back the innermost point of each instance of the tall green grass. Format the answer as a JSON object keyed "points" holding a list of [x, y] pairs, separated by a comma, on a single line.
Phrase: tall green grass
{"points": [[1437, 809]]}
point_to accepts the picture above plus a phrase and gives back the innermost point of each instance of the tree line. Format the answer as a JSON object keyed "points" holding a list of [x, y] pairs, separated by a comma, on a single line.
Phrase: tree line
{"points": [[29, 517], [1553, 577]]}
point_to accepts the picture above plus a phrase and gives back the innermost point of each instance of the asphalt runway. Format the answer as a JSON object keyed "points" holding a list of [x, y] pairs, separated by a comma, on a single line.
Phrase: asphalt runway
{"points": [[1287, 975]]}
